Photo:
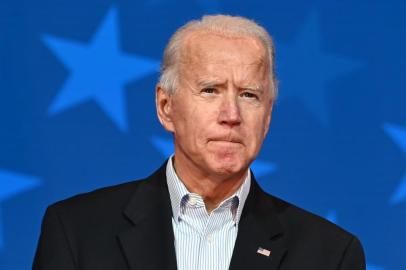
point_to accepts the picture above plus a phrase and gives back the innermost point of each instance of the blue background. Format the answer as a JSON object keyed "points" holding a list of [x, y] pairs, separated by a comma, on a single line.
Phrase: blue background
{"points": [[77, 109]]}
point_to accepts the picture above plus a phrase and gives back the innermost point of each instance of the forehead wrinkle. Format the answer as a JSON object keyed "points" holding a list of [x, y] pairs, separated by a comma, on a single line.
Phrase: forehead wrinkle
{"points": [[205, 81], [239, 81], [190, 53], [208, 74], [251, 76], [193, 53]]}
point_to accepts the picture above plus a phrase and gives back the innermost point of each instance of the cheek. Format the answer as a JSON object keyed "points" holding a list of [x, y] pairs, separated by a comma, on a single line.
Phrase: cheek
{"points": [[190, 124], [255, 127]]}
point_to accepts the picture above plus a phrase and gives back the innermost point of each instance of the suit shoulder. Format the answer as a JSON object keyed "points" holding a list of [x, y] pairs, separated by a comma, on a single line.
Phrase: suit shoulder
{"points": [[314, 241], [102, 199], [302, 223]]}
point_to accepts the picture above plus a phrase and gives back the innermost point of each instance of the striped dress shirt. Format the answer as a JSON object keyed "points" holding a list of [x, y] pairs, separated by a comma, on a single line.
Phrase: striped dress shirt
{"points": [[203, 241]]}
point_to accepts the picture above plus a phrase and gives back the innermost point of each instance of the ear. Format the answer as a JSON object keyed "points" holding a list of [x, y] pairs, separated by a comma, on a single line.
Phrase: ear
{"points": [[268, 118], [163, 102]]}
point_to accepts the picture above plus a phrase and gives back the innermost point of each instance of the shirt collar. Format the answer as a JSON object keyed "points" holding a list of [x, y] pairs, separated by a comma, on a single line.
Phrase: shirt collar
{"points": [[180, 196]]}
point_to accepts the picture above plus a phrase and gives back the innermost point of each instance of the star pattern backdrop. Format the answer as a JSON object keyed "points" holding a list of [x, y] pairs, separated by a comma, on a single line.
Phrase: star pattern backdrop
{"points": [[77, 109]]}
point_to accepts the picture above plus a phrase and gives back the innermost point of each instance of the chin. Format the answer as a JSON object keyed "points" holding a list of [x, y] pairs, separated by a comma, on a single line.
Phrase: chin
{"points": [[228, 165]]}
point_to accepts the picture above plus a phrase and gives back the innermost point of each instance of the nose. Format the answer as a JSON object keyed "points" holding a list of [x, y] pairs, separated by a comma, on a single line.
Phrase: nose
{"points": [[229, 113]]}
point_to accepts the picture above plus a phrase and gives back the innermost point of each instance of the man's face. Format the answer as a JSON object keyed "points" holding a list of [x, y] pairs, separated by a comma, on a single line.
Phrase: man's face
{"points": [[221, 110]]}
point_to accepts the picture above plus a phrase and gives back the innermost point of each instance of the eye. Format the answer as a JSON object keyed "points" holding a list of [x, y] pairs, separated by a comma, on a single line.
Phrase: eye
{"points": [[249, 95], [209, 90]]}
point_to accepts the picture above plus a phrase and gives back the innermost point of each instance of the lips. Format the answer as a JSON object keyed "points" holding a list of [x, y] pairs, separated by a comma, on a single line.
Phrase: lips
{"points": [[226, 140]]}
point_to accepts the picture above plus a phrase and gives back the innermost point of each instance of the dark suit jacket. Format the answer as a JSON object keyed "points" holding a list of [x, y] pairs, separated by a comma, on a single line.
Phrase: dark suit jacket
{"points": [[129, 227]]}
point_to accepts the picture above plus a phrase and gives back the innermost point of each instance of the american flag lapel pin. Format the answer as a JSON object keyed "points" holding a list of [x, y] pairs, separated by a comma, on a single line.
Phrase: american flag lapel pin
{"points": [[264, 251]]}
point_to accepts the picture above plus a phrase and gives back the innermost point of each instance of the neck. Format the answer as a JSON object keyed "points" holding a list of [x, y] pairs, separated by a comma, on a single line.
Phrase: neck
{"points": [[213, 188]]}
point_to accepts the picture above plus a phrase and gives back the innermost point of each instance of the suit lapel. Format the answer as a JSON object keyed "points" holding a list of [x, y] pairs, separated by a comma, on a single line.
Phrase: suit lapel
{"points": [[259, 228], [149, 243]]}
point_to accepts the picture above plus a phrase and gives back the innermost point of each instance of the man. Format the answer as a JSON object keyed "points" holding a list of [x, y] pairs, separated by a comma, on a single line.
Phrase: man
{"points": [[203, 208]]}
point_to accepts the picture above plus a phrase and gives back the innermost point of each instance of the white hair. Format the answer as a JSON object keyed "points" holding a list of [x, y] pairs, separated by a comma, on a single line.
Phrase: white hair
{"points": [[225, 25]]}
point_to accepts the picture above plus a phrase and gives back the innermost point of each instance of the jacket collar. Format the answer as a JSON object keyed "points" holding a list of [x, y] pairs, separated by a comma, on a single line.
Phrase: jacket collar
{"points": [[259, 228], [149, 243]]}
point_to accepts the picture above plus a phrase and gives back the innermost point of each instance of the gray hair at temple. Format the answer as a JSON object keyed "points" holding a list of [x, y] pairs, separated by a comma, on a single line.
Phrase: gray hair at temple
{"points": [[225, 25]]}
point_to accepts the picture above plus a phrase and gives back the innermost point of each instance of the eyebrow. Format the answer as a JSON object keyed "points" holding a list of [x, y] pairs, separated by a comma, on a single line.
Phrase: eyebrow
{"points": [[210, 82], [213, 82], [254, 87]]}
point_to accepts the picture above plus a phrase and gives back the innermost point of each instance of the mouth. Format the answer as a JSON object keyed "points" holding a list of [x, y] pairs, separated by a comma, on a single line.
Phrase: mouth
{"points": [[225, 141]]}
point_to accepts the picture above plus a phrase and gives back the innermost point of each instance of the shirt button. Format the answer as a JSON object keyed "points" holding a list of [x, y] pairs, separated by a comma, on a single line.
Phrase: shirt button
{"points": [[210, 238], [192, 201]]}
